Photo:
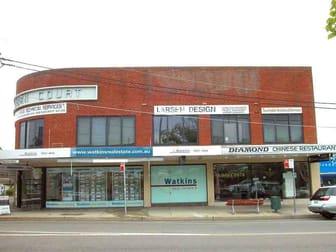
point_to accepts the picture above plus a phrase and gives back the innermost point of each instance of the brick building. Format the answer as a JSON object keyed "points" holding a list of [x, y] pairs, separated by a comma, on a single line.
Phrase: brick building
{"points": [[187, 135]]}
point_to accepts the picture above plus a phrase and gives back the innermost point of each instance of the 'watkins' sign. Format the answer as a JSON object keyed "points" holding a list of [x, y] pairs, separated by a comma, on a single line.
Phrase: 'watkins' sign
{"points": [[277, 149]]}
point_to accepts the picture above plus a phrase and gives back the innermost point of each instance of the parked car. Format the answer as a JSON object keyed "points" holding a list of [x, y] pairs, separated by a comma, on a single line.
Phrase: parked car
{"points": [[262, 188], [323, 202]]}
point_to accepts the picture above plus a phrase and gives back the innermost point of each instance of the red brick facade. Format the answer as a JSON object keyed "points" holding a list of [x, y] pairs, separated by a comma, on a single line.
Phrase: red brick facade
{"points": [[135, 91]]}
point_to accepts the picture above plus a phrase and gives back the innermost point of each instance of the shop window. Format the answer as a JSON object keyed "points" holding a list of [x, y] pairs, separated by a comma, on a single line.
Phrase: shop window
{"points": [[105, 131], [230, 129], [259, 180], [31, 134], [94, 187], [175, 130], [31, 188], [283, 128]]}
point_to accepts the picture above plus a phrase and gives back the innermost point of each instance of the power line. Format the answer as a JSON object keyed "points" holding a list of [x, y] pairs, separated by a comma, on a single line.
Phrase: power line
{"points": [[16, 66], [138, 85], [24, 63], [200, 117]]}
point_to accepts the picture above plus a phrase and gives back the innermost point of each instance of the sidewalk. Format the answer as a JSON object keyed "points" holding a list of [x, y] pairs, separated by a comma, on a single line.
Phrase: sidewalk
{"points": [[218, 212]]}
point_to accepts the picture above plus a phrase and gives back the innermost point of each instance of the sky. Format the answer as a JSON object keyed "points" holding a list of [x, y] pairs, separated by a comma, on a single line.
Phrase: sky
{"points": [[123, 33]]}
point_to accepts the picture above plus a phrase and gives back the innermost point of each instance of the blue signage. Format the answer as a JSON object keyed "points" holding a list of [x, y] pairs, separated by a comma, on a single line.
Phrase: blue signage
{"points": [[107, 152], [327, 167]]}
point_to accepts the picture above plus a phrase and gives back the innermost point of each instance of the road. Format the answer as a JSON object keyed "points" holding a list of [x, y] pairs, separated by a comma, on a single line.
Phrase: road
{"points": [[267, 235]]}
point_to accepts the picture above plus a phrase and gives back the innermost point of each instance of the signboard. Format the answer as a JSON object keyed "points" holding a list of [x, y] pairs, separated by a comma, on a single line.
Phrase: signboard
{"points": [[278, 149], [320, 158], [187, 150], [45, 109], [96, 152], [282, 110], [4, 205], [289, 163], [93, 204], [235, 150], [327, 167], [178, 184], [200, 109], [35, 153], [161, 151], [122, 167], [56, 93]]}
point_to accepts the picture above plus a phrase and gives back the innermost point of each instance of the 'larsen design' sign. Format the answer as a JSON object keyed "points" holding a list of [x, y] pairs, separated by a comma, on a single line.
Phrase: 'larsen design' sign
{"points": [[56, 93], [200, 109]]}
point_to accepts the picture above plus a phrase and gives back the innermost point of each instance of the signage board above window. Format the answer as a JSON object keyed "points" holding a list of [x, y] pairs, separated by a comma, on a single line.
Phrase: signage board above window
{"points": [[55, 94], [201, 109], [282, 110], [37, 110]]}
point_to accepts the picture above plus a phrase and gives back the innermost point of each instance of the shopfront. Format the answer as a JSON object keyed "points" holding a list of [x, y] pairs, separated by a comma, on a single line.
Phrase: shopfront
{"points": [[251, 180], [83, 187], [91, 177]]}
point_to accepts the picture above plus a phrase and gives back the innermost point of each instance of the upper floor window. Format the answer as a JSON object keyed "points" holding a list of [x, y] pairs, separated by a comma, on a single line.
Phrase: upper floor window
{"points": [[175, 130], [31, 134], [105, 131], [230, 129], [283, 128]]}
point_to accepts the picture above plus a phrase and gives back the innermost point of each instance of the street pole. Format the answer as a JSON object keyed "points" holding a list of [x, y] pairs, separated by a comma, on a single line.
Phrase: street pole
{"points": [[125, 191], [294, 192], [123, 170]]}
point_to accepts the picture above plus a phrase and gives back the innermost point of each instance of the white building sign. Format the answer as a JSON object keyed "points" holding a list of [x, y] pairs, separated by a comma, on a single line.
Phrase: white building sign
{"points": [[35, 153], [45, 109], [200, 109], [242, 150], [187, 150], [282, 110], [56, 93], [278, 149]]}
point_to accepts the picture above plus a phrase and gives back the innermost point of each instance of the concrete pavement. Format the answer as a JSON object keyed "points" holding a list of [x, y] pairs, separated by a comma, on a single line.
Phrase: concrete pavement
{"points": [[218, 212]]}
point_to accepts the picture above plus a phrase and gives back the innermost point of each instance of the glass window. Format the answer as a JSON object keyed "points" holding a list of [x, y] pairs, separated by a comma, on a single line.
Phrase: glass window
{"points": [[31, 134], [23, 135], [105, 131], [93, 187], [282, 128], [257, 180], [98, 136], [114, 131], [128, 132], [175, 129], [295, 128], [83, 131], [230, 129]]}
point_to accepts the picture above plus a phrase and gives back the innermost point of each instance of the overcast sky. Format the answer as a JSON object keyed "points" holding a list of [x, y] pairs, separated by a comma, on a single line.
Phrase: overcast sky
{"points": [[73, 33]]}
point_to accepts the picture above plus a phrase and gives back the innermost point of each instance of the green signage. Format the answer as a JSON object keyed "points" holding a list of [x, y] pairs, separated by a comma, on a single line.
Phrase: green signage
{"points": [[178, 184]]}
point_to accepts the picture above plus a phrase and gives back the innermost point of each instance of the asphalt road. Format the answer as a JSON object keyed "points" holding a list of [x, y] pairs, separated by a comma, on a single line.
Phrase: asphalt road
{"points": [[268, 235]]}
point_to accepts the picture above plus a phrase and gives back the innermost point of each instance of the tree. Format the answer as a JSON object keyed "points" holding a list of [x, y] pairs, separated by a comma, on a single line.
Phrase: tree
{"points": [[331, 21]]}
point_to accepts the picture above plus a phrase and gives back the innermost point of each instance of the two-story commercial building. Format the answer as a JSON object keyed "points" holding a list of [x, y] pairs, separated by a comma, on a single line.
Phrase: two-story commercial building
{"points": [[106, 137]]}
